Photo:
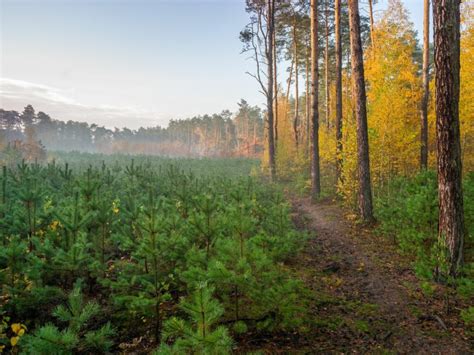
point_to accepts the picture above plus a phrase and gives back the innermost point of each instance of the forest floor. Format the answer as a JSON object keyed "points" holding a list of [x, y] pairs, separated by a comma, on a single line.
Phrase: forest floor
{"points": [[363, 295]]}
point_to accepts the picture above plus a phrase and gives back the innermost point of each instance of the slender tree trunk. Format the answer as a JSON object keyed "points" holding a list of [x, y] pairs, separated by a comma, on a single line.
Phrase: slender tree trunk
{"points": [[288, 81], [326, 62], [338, 90], [371, 17], [307, 101], [295, 54], [269, 54], [315, 169], [426, 87], [446, 18], [254, 138], [275, 85], [365, 190], [247, 139]]}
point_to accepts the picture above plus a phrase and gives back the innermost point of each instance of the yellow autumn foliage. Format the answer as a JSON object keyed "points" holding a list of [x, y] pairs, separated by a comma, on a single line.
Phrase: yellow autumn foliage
{"points": [[285, 145], [393, 96], [19, 330], [16, 327], [394, 91], [14, 340], [466, 104], [290, 160]]}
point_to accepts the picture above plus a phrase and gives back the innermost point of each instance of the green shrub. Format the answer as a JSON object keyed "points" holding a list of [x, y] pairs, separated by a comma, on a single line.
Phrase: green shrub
{"points": [[76, 337], [408, 212], [200, 334]]}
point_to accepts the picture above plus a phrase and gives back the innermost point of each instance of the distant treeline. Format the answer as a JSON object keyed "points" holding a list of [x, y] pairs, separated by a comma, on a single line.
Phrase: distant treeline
{"points": [[223, 134]]}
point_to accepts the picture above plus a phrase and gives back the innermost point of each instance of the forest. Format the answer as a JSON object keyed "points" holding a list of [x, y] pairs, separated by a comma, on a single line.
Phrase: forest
{"points": [[217, 135], [337, 217]]}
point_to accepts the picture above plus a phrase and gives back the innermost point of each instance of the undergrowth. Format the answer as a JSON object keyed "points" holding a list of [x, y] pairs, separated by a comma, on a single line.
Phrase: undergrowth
{"points": [[407, 209]]}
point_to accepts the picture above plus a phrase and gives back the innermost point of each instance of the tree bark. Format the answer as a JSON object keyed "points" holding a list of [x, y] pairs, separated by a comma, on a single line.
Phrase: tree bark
{"points": [[365, 189], [315, 169], [371, 17], [269, 54], [446, 18], [326, 62], [288, 81], [426, 87], [295, 55], [338, 90], [275, 85], [307, 100]]}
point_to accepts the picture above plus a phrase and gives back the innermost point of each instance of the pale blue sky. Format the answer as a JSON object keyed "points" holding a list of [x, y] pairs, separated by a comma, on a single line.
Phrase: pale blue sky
{"points": [[127, 63]]}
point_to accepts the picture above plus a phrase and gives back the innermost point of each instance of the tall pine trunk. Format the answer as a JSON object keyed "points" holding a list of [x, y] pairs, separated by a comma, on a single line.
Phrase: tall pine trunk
{"points": [[338, 90], [326, 62], [360, 99], [288, 80], [269, 55], [315, 169], [371, 17], [275, 85], [307, 100], [295, 55], [446, 18], [426, 87]]}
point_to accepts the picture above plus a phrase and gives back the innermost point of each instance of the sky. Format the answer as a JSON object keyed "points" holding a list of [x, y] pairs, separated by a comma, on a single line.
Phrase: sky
{"points": [[129, 63]]}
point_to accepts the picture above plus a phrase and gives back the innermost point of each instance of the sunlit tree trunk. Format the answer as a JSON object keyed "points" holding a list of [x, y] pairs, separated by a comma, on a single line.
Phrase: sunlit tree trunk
{"points": [[446, 18], [295, 54], [254, 139], [270, 59], [315, 169], [338, 90], [307, 101], [326, 61], [426, 87], [371, 17], [288, 81], [275, 84], [360, 99], [248, 137]]}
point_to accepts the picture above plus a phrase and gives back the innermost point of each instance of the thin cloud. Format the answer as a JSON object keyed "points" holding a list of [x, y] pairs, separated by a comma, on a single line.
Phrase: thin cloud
{"points": [[18, 88], [16, 94]]}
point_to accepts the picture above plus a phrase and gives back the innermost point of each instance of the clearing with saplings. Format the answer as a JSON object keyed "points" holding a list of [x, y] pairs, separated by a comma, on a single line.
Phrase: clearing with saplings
{"points": [[331, 210]]}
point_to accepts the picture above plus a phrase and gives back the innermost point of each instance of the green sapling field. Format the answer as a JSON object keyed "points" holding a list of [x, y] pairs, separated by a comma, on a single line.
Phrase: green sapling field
{"points": [[113, 254]]}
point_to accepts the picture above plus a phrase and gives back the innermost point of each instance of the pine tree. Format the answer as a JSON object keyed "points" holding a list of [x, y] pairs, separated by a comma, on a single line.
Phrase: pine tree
{"points": [[200, 334], [358, 79], [426, 86], [446, 15], [315, 164], [338, 38], [76, 337]]}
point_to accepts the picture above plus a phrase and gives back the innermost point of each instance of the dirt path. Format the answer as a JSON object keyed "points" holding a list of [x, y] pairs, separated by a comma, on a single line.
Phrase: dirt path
{"points": [[363, 297], [366, 297]]}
